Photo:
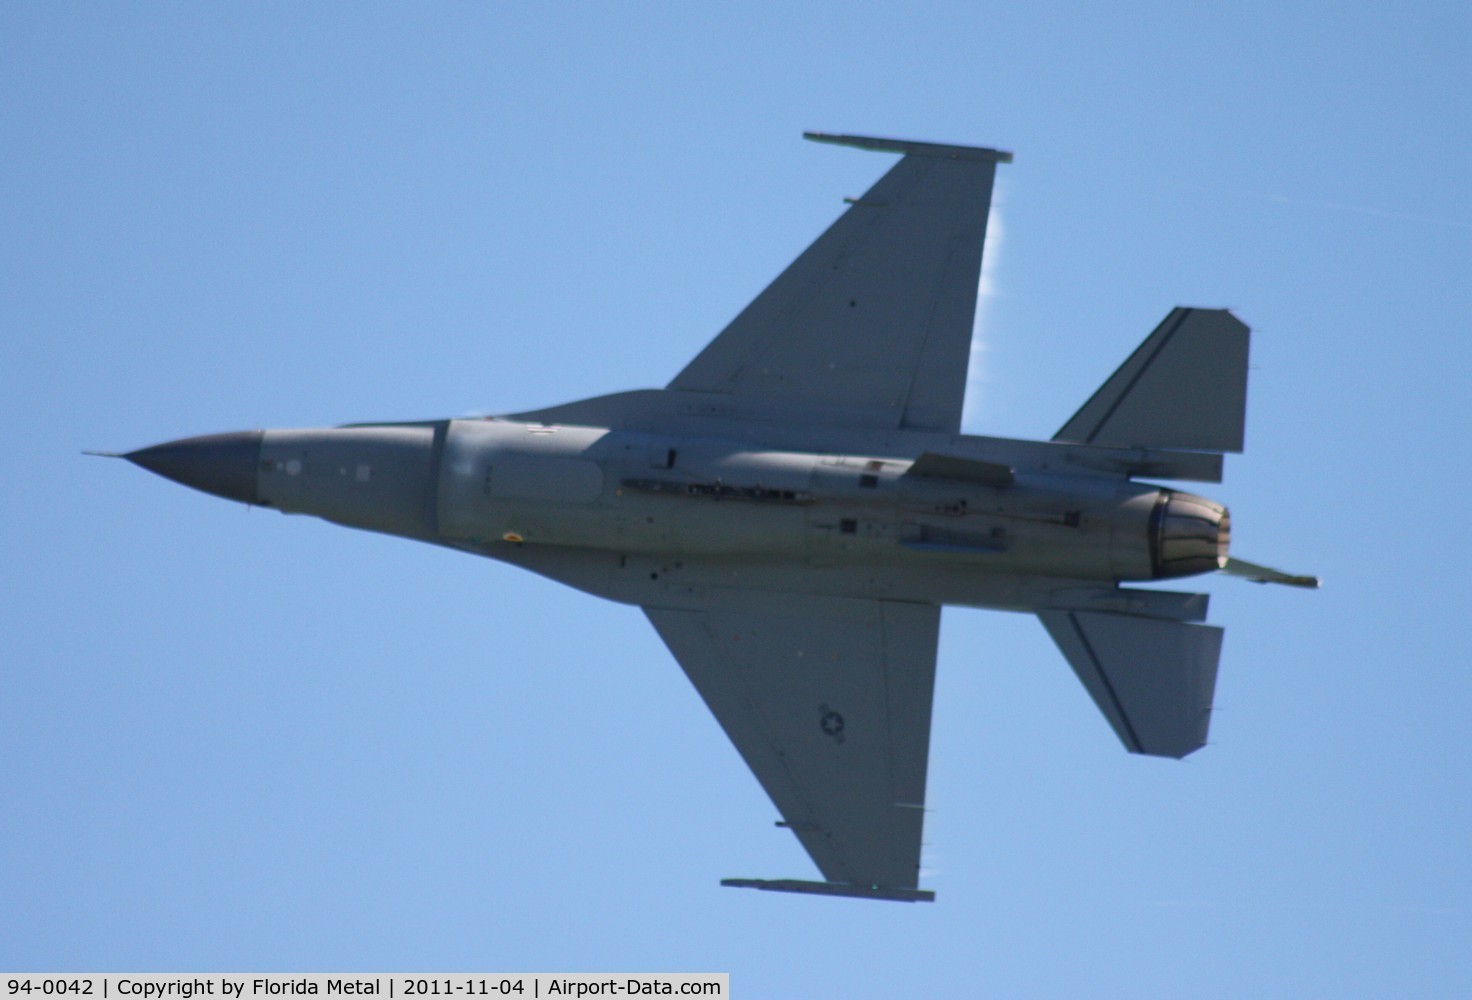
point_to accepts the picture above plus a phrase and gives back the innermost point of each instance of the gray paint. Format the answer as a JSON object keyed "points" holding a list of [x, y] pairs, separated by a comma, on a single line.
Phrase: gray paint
{"points": [[1184, 387], [828, 701], [1153, 680], [874, 315], [792, 512]]}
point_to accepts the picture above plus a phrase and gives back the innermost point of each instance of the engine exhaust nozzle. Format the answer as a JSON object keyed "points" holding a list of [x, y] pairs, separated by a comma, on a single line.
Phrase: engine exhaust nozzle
{"points": [[1188, 535]]}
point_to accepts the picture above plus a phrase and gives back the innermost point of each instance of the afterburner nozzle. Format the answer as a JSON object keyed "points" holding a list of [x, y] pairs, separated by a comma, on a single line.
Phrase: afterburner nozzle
{"points": [[1188, 535]]}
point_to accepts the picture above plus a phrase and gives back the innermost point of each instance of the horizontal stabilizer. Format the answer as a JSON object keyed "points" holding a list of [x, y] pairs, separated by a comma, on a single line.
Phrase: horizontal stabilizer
{"points": [[1266, 574], [968, 469], [1184, 387], [832, 889], [1152, 679]]}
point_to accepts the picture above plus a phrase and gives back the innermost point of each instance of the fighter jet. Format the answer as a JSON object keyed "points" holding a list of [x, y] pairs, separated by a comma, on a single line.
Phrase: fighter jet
{"points": [[794, 508]]}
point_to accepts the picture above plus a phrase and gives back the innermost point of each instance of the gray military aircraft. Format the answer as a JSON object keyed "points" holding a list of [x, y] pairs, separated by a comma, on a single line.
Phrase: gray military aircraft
{"points": [[794, 508]]}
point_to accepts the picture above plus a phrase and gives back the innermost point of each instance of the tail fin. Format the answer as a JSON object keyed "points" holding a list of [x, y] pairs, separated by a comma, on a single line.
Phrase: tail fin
{"points": [[1184, 387], [1152, 679]]}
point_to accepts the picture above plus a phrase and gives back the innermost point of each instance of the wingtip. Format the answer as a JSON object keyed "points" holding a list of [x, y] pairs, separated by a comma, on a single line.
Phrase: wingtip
{"points": [[910, 147], [892, 893]]}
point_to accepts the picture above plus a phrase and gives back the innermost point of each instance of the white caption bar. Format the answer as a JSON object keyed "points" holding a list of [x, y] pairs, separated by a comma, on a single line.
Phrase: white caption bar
{"points": [[385, 986]]}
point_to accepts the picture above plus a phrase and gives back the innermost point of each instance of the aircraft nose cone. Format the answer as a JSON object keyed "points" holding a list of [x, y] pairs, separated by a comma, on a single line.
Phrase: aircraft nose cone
{"points": [[221, 464]]}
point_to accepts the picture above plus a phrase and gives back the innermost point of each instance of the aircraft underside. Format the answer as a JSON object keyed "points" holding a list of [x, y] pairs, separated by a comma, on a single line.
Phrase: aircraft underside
{"points": [[792, 510]]}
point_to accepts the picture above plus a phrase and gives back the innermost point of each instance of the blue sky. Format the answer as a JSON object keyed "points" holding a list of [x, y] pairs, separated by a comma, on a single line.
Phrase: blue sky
{"points": [[233, 740]]}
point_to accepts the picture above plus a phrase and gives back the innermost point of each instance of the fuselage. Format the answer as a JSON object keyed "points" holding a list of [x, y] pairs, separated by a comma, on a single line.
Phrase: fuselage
{"points": [[511, 490]]}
